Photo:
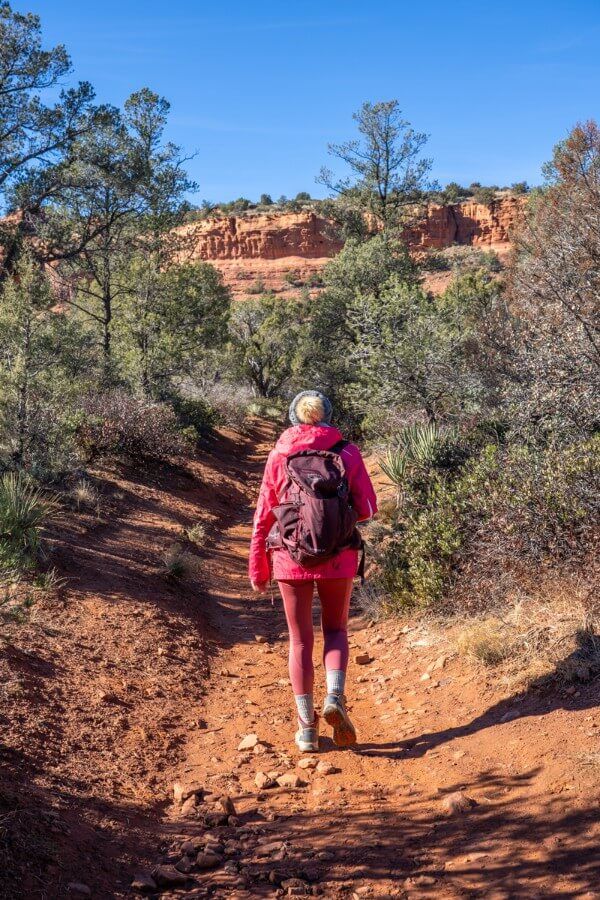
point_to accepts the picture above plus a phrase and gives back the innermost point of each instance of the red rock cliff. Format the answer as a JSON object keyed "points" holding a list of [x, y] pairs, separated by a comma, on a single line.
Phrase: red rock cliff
{"points": [[468, 223], [279, 251]]}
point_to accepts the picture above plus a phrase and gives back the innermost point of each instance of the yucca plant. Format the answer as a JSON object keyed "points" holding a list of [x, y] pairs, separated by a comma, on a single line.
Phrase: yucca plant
{"points": [[418, 449], [24, 510], [395, 465]]}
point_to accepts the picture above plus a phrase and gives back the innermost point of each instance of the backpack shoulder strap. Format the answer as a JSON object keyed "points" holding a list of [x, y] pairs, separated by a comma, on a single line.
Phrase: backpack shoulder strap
{"points": [[337, 448]]}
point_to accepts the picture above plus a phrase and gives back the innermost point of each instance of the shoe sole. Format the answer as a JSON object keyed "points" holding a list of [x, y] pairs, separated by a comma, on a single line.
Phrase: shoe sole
{"points": [[307, 746], [344, 733]]}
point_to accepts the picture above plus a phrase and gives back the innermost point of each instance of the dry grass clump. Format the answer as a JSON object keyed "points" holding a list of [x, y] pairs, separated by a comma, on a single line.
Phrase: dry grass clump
{"points": [[550, 636], [197, 533], [86, 495], [371, 600], [488, 641], [177, 562]]}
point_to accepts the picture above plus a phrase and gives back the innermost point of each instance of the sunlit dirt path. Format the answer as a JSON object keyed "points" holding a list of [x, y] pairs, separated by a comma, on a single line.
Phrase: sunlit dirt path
{"points": [[455, 788]]}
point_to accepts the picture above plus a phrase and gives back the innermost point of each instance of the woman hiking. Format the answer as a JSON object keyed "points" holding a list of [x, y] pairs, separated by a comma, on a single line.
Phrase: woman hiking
{"points": [[314, 489]]}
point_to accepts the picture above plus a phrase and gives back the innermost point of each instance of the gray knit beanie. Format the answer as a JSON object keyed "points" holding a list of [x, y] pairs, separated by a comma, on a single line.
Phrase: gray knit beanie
{"points": [[325, 401]]}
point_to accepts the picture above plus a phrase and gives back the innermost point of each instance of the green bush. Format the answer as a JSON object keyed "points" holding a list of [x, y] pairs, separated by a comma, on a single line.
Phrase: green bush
{"points": [[24, 510], [195, 413], [504, 507]]}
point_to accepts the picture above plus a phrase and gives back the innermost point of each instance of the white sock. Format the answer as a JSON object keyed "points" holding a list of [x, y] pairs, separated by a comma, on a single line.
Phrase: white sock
{"points": [[336, 681], [305, 707]]}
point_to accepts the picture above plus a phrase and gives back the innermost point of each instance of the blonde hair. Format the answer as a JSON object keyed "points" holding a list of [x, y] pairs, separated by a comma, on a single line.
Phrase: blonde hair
{"points": [[310, 410]]}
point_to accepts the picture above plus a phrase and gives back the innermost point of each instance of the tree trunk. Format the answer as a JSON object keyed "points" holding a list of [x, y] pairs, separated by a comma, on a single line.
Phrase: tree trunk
{"points": [[23, 406]]}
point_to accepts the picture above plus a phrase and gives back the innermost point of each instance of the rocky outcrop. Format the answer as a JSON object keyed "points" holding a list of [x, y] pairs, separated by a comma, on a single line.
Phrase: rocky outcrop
{"points": [[267, 237], [282, 252], [470, 222]]}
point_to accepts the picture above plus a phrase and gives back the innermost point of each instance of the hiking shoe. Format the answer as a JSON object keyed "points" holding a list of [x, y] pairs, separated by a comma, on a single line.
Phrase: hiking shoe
{"points": [[336, 715], [307, 736]]}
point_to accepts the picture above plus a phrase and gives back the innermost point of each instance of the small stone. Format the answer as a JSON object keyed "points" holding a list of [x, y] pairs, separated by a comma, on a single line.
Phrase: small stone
{"points": [[206, 859], [425, 677], [417, 881], [184, 866], [227, 805], [458, 803], [290, 780], [248, 742], [275, 847], [183, 792], [79, 889], [326, 768], [189, 805], [295, 887], [263, 781], [363, 659], [215, 819], [143, 883], [259, 749], [260, 639], [511, 714], [188, 848], [325, 855], [307, 762], [168, 876]]}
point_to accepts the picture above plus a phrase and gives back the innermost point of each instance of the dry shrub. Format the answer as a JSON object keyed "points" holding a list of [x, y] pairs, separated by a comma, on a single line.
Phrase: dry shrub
{"points": [[197, 533], [550, 634], [86, 495], [371, 600], [116, 423]]}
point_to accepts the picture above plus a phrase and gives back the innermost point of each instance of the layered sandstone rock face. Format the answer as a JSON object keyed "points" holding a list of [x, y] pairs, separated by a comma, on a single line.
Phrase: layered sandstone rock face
{"points": [[468, 223], [282, 252]]}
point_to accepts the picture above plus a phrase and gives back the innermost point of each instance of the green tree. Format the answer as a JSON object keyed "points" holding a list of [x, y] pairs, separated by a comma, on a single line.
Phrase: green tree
{"points": [[387, 173], [409, 354], [267, 340], [168, 321], [129, 186], [36, 138], [45, 362]]}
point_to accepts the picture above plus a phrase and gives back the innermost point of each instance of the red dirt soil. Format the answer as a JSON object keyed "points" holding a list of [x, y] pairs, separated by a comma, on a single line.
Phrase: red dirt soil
{"points": [[129, 681]]}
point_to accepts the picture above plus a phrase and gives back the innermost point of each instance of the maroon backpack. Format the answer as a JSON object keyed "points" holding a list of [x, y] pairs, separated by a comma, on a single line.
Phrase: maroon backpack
{"points": [[314, 516]]}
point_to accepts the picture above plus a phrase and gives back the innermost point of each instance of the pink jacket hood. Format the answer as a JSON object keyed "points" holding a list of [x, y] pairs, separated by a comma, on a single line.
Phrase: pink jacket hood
{"points": [[307, 437]]}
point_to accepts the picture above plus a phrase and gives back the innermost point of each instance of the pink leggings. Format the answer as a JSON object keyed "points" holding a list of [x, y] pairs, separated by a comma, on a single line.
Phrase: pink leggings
{"points": [[334, 594]]}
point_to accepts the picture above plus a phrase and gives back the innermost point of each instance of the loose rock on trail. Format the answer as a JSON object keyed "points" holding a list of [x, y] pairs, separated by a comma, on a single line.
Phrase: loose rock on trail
{"points": [[186, 781]]}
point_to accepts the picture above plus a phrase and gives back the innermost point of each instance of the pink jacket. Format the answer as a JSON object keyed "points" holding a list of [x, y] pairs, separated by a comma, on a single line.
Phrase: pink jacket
{"points": [[344, 563]]}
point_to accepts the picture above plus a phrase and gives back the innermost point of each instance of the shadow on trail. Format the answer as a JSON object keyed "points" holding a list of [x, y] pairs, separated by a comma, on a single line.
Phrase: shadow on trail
{"points": [[499, 846], [542, 698]]}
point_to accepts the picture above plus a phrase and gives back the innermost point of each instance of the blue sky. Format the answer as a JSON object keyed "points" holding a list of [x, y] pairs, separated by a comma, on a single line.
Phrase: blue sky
{"points": [[257, 89]]}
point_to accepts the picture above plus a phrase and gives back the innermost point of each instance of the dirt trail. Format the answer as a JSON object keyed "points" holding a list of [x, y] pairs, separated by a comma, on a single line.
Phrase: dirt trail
{"points": [[136, 682], [428, 727]]}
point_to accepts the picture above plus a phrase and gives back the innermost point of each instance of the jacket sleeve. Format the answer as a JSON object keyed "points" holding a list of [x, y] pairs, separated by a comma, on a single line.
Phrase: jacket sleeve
{"points": [[364, 499], [259, 568]]}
